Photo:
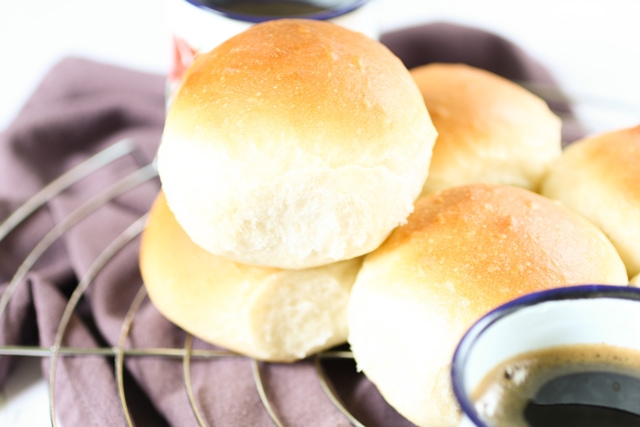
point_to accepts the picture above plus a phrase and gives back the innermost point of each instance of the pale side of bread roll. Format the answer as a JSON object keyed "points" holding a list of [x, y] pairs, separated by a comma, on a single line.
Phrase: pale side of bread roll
{"points": [[464, 251], [490, 129], [266, 313], [599, 177], [295, 144]]}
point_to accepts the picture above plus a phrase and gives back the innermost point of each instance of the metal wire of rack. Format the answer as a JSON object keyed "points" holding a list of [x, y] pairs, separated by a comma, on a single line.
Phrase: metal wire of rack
{"points": [[119, 352]]}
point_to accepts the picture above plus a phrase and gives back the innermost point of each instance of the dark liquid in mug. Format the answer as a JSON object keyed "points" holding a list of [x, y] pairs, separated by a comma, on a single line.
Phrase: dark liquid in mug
{"points": [[268, 8], [582, 385]]}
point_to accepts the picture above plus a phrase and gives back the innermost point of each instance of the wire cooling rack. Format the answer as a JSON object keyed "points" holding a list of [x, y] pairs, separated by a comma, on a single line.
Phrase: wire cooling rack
{"points": [[187, 353], [119, 352]]}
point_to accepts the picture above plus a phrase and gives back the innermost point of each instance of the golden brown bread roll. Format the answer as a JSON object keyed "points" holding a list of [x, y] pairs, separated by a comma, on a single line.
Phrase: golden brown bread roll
{"points": [[295, 144], [490, 130], [599, 177], [464, 251], [266, 313]]}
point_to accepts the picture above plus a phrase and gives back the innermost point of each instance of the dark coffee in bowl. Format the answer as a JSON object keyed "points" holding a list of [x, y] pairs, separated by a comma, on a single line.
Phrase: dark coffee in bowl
{"points": [[579, 385], [281, 8]]}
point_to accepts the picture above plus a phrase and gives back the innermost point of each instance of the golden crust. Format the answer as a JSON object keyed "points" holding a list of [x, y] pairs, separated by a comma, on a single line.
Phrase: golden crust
{"points": [[490, 129], [599, 177], [251, 310], [502, 241], [307, 77]]}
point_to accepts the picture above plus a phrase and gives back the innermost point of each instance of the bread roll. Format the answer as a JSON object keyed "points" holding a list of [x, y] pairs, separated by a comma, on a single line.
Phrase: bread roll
{"points": [[490, 130], [267, 313], [599, 177], [464, 251], [295, 144]]}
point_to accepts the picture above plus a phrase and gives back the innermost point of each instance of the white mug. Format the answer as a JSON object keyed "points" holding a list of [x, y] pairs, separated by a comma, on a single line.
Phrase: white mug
{"points": [[587, 314]]}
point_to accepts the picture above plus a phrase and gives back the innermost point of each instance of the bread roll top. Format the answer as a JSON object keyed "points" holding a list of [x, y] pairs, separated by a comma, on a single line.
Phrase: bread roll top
{"points": [[490, 129], [599, 177], [506, 239], [300, 87], [295, 144]]}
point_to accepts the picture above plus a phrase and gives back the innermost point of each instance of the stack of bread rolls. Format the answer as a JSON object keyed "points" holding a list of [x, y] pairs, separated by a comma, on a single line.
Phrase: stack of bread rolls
{"points": [[289, 151], [306, 202]]}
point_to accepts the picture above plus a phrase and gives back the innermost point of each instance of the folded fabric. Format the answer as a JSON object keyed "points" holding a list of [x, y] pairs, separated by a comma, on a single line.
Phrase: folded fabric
{"points": [[79, 109]]}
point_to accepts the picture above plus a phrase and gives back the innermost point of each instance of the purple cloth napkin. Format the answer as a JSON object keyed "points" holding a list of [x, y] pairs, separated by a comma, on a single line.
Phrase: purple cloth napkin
{"points": [[82, 107]]}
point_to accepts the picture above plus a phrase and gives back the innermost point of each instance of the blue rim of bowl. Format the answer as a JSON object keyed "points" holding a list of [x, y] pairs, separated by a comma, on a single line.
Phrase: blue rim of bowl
{"points": [[320, 16], [477, 329]]}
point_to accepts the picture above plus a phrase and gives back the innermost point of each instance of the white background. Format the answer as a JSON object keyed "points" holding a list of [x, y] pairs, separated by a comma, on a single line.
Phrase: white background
{"points": [[592, 47]]}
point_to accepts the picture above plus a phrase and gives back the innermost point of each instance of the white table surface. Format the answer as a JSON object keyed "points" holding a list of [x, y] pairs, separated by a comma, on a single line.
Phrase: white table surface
{"points": [[592, 47]]}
